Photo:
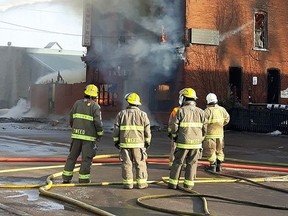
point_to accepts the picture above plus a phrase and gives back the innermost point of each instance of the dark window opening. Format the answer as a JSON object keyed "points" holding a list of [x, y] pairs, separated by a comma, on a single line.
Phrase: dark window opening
{"points": [[160, 98], [273, 79], [235, 81], [260, 30], [107, 94]]}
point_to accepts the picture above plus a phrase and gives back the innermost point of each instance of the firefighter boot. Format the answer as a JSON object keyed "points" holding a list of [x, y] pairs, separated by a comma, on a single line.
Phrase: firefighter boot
{"points": [[218, 166], [211, 168]]}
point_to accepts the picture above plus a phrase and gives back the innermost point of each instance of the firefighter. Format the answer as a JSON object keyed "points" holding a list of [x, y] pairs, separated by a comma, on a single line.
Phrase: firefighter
{"points": [[173, 145], [132, 136], [188, 131], [87, 128], [213, 144]]}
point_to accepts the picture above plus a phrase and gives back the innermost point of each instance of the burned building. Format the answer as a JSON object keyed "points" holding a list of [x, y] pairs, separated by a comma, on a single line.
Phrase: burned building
{"points": [[134, 46], [233, 48]]}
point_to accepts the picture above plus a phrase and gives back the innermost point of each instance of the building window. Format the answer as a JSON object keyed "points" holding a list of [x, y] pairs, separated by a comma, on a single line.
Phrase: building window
{"points": [[107, 94], [160, 98], [260, 30]]}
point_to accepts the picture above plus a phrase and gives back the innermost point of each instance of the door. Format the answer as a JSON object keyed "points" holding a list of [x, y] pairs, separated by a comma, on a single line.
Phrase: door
{"points": [[273, 85], [235, 81]]}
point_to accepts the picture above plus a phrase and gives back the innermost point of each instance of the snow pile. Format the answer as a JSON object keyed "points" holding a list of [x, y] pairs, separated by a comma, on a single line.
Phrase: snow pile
{"points": [[275, 133]]}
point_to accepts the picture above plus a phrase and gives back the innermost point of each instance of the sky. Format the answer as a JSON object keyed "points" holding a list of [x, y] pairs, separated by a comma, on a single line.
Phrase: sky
{"points": [[35, 23]]}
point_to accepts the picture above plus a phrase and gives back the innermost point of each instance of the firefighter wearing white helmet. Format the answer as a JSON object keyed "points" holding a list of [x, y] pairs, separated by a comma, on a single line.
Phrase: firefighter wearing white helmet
{"points": [[213, 144], [86, 123], [132, 136], [188, 131]]}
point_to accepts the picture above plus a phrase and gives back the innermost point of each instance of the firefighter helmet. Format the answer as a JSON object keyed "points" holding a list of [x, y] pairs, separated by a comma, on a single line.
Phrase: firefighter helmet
{"points": [[188, 92], [133, 98], [91, 90], [211, 98]]}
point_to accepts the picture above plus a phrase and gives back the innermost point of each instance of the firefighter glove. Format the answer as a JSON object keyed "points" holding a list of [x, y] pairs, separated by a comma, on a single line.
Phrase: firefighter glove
{"points": [[146, 145]]}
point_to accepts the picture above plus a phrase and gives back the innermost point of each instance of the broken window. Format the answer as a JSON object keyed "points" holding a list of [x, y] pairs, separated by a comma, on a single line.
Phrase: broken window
{"points": [[260, 30], [107, 94]]}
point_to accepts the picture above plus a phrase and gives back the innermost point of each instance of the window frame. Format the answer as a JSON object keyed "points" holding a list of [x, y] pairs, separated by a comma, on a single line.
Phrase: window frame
{"points": [[264, 30], [107, 94]]}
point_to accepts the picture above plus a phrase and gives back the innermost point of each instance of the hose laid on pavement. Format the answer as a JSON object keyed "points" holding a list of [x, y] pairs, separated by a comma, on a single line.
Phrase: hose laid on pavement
{"points": [[114, 159], [44, 189]]}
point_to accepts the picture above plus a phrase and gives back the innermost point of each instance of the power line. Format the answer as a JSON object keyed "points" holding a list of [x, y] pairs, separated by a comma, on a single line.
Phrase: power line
{"points": [[40, 30]]}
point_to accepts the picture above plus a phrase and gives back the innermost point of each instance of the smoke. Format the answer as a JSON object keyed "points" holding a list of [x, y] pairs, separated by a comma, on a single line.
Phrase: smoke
{"points": [[143, 31], [141, 40], [22, 109]]}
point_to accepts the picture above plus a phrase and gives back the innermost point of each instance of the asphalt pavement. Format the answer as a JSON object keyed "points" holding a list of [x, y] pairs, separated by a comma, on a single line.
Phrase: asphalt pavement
{"points": [[51, 142]]}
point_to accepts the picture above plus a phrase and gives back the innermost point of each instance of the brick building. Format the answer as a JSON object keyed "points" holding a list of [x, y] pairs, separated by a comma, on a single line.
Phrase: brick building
{"points": [[234, 48], [242, 52]]}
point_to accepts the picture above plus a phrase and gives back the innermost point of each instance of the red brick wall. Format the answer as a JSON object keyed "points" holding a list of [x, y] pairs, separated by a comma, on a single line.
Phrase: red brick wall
{"points": [[206, 67]]}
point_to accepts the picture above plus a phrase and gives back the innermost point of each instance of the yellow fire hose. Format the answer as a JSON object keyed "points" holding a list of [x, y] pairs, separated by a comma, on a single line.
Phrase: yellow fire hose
{"points": [[44, 188]]}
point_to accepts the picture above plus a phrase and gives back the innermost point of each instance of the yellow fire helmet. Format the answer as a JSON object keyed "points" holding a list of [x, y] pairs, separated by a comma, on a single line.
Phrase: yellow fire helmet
{"points": [[188, 92], [91, 90], [133, 98]]}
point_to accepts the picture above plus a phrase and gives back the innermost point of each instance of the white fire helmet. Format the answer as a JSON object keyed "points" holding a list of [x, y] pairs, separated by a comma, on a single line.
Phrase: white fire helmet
{"points": [[211, 98]]}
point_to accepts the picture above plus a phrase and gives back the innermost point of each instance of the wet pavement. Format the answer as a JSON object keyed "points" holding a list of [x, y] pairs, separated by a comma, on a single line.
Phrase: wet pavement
{"points": [[37, 140]]}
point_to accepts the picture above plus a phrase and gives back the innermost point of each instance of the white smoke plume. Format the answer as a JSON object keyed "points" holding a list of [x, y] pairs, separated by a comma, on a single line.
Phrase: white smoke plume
{"points": [[150, 20]]}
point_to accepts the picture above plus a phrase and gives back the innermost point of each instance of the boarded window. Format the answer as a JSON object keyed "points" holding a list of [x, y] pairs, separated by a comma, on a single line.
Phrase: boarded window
{"points": [[260, 30]]}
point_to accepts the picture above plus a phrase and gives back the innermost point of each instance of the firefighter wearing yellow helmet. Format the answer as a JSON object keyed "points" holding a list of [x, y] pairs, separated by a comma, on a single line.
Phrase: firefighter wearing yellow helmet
{"points": [[188, 131], [87, 127], [132, 136], [186, 92], [213, 144]]}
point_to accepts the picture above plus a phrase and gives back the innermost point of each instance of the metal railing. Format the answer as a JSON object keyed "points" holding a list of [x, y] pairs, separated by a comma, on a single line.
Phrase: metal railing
{"points": [[259, 120]]}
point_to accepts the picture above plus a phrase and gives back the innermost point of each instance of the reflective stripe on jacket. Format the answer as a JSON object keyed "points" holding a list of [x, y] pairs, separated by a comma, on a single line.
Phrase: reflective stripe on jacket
{"points": [[189, 126], [217, 117], [85, 119], [132, 128]]}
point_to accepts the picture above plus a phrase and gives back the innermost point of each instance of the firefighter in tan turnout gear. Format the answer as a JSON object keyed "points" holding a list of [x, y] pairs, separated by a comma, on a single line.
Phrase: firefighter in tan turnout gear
{"points": [[188, 131], [132, 136], [173, 144], [213, 144], [86, 123]]}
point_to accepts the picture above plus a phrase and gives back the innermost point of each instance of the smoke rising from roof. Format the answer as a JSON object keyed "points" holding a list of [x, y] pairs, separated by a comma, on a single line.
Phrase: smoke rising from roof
{"points": [[130, 31]]}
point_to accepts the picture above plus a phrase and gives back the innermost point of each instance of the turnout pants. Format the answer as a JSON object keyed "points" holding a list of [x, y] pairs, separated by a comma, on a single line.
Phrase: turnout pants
{"points": [[88, 150], [190, 156], [136, 156], [213, 149], [171, 155]]}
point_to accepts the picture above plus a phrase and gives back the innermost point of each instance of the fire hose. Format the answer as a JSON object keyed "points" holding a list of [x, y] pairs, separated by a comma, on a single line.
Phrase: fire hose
{"points": [[113, 159]]}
